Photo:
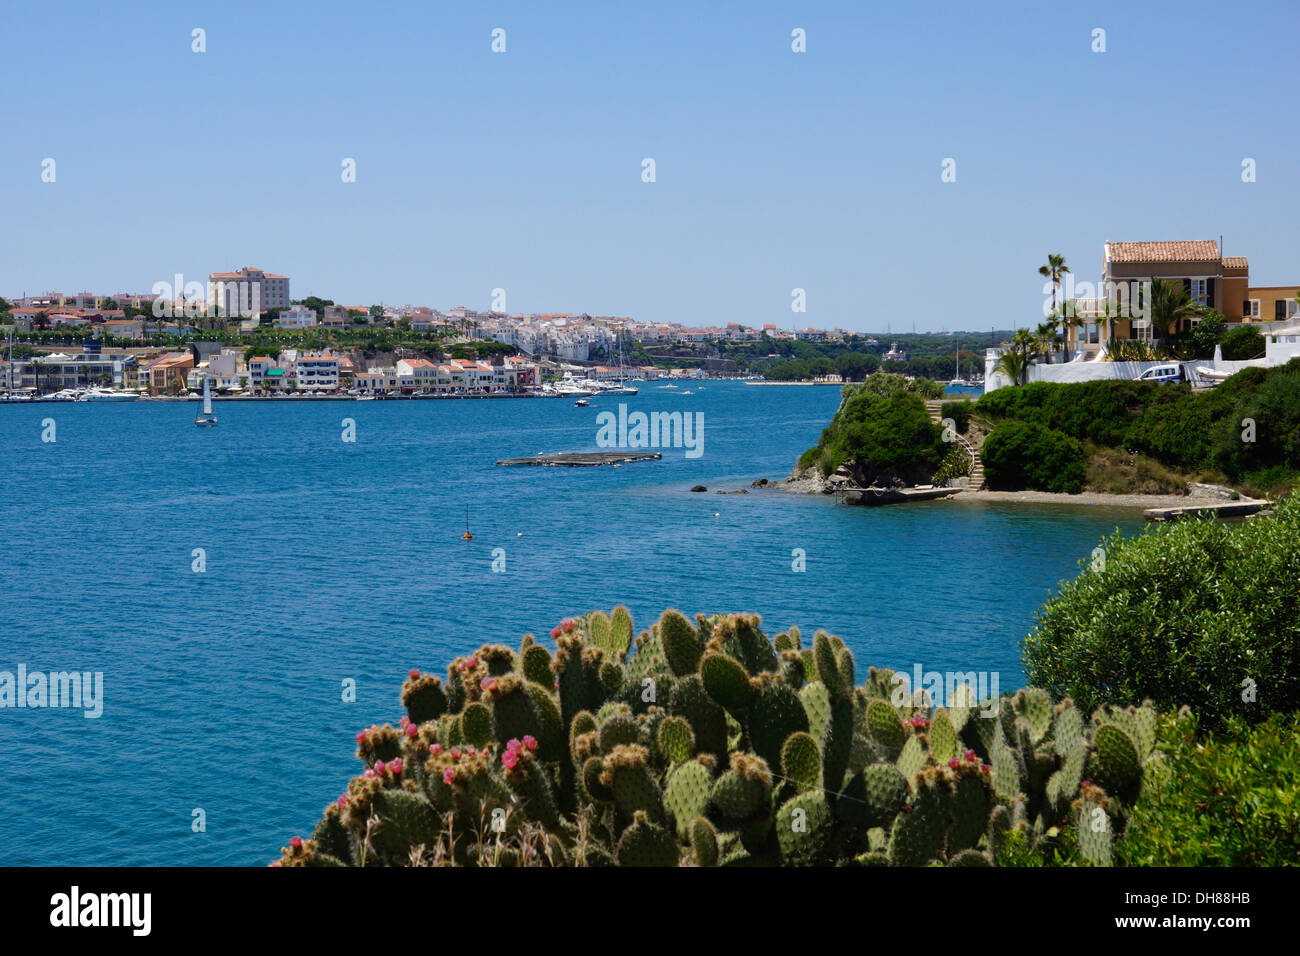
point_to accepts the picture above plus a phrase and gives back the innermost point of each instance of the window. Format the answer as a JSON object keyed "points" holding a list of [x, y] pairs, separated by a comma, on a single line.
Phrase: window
{"points": [[1200, 291], [1250, 309], [1279, 309]]}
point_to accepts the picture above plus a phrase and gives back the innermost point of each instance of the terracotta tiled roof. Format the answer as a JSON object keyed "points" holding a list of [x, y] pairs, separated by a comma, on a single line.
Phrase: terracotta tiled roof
{"points": [[1235, 262], [1196, 250]]}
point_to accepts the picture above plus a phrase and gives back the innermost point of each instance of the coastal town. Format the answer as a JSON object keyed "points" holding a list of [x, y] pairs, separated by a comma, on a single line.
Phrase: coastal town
{"points": [[105, 347]]}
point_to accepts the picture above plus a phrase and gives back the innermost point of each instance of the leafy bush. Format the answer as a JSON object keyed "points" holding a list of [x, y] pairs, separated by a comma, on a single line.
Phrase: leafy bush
{"points": [[959, 412], [885, 430], [1242, 342], [1195, 613], [1094, 411], [1274, 408], [1226, 800], [1026, 455]]}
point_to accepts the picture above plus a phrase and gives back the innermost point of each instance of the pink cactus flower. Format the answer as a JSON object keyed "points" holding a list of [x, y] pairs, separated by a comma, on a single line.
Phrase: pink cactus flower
{"points": [[295, 842], [954, 763], [435, 749], [455, 753], [412, 731], [370, 773], [413, 673], [488, 683], [275, 862], [970, 755], [449, 775], [1085, 783], [361, 737], [986, 768], [472, 752], [512, 745], [395, 766], [343, 800], [556, 632], [530, 741], [509, 759]]}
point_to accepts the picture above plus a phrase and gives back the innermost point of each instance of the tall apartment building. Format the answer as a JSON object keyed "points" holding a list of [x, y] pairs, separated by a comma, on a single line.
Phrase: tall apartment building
{"points": [[232, 292]]}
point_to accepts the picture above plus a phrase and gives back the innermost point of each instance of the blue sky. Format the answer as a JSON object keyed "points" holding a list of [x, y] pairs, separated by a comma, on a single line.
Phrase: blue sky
{"points": [[522, 170]]}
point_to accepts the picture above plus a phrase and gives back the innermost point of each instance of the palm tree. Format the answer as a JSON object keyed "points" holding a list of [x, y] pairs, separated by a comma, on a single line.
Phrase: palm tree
{"points": [[1170, 303], [1047, 333], [1054, 269], [1016, 357]]}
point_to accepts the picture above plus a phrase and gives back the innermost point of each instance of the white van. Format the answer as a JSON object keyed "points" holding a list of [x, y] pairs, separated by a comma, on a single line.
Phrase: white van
{"points": [[1163, 373]]}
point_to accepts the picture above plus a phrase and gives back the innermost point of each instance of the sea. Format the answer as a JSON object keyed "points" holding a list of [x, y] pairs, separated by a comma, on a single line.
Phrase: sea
{"points": [[254, 594]]}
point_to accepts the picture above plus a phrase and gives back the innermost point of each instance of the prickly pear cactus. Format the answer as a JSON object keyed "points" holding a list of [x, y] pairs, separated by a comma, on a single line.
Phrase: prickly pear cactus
{"points": [[702, 743]]}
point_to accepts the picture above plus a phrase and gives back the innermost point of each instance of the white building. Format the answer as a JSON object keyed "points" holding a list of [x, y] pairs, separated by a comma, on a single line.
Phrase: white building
{"points": [[317, 371], [248, 290], [296, 317]]}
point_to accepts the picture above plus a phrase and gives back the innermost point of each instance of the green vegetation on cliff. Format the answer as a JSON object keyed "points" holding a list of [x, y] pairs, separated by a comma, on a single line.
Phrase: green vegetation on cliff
{"points": [[883, 433], [1245, 431]]}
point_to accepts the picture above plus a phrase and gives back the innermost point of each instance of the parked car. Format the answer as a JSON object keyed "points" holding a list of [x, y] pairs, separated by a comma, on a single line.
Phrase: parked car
{"points": [[1170, 373]]}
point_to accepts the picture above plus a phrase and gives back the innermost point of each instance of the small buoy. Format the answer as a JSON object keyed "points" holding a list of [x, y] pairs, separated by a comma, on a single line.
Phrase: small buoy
{"points": [[716, 515], [519, 534], [467, 537]]}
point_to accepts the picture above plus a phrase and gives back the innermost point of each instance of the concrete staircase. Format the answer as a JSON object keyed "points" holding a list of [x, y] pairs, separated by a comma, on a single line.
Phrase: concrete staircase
{"points": [[934, 407]]}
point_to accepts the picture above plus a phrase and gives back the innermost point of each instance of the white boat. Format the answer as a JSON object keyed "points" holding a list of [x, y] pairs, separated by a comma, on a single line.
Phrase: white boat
{"points": [[581, 403], [205, 419], [107, 395], [1213, 374]]}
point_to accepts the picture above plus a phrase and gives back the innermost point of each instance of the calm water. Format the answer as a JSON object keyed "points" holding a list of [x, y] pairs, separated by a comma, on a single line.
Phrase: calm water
{"points": [[329, 560]]}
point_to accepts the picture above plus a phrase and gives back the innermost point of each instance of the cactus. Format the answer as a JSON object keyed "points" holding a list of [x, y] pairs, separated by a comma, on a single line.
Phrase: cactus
{"points": [[708, 722], [801, 761], [707, 744], [726, 681], [681, 643], [1118, 767], [676, 740], [917, 834], [743, 789], [644, 843], [885, 728], [775, 714], [704, 842], [803, 830], [687, 794]]}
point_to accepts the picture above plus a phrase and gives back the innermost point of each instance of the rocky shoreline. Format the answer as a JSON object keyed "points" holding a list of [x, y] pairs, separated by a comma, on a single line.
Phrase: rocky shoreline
{"points": [[810, 481]]}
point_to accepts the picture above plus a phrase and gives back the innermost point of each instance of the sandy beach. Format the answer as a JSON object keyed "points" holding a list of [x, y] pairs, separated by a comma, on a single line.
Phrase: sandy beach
{"points": [[1091, 498]]}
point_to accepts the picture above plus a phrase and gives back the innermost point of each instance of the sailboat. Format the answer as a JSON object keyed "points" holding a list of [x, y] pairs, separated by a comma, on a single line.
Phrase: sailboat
{"points": [[205, 418], [957, 379], [622, 388]]}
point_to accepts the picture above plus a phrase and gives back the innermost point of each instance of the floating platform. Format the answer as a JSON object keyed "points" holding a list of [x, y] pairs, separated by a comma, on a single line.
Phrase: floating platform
{"points": [[583, 459], [1229, 509], [893, 496]]}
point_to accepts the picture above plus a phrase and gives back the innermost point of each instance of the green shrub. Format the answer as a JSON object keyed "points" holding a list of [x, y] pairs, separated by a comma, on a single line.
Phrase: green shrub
{"points": [[1274, 408], [959, 412], [1228, 799], [1242, 342], [1094, 411], [884, 428], [1195, 613], [1021, 455]]}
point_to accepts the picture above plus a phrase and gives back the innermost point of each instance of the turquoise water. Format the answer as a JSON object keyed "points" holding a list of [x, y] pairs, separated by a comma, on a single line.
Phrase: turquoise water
{"points": [[328, 560]]}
